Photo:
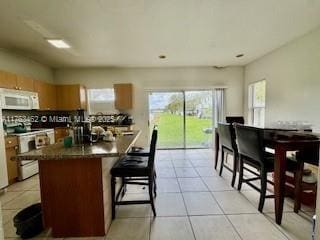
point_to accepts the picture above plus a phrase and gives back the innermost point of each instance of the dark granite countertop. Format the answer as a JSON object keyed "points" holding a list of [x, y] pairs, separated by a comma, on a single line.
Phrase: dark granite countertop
{"points": [[57, 151]]}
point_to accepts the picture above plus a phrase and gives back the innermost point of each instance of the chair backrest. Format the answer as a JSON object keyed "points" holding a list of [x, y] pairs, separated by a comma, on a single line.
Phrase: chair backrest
{"points": [[227, 136], [235, 119], [153, 146], [250, 142]]}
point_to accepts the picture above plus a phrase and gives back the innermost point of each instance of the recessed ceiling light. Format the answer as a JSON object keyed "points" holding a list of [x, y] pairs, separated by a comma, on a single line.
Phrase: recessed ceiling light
{"points": [[162, 56], [240, 55], [58, 43]]}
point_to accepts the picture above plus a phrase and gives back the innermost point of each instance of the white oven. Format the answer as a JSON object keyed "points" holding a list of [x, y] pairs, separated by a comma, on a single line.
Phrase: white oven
{"points": [[27, 142], [18, 100]]}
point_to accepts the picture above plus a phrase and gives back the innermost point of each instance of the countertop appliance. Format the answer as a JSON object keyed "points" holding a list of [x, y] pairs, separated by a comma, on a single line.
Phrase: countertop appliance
{"points": [[18, 100], [29, 141]]}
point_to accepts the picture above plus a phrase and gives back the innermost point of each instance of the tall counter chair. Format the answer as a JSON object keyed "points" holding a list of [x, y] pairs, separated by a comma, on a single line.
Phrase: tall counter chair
{"points": [[251, 147], [228, 145], [235, 119], [136, 170]]}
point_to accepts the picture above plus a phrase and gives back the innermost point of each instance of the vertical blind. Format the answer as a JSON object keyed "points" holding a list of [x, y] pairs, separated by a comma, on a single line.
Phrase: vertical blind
{"points": [[218, 106]]}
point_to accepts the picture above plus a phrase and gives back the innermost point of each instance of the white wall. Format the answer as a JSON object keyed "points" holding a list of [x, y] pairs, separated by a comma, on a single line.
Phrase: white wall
{"points": [[160, 78], [292, 74], [1, 223], [14, 63]]}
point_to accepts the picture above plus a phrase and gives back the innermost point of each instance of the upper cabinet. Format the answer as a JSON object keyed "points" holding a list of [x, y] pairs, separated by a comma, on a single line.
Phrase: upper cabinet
{"points": [[47, 95], [8, 80], [25, 83], [51, 97], [71, 97], [13, 81], [123, 96]]}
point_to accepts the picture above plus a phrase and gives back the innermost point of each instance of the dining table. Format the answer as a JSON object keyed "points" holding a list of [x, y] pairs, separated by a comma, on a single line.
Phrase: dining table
{"points": [[283, 140]]}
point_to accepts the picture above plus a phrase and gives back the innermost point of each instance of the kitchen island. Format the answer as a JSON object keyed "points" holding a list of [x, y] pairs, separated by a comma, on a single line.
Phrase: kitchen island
{"points": [[75, 185]]}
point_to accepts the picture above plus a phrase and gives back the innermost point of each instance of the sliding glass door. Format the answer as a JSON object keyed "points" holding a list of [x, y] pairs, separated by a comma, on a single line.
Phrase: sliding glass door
{"points": [[184, 118], [198, 119], [166, 109]]}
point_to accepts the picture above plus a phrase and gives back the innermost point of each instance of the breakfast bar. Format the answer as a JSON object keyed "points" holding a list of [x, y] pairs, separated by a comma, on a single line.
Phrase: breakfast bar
{"points": [[75, 185]]}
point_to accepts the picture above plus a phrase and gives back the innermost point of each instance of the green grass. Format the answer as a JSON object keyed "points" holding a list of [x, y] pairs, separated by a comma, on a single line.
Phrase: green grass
{"points": [[171, 131]]}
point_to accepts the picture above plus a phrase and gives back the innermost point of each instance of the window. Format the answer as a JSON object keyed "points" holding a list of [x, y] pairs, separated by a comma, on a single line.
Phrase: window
{"points": [[257, 98], [101, 101]]}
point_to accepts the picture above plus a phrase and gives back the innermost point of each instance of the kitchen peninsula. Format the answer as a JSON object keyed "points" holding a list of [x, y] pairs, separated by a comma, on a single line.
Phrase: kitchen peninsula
{"points": [[75, 185]]}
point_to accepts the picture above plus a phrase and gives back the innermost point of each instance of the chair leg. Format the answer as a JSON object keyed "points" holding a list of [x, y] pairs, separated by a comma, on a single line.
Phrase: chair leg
{"points": [[155, 184], [113, 196], [235, 166], [227, 155], [298, 186], [240, 173], [151, 194], [124, 188], [222, 161], [216, 161], [263, 175]]}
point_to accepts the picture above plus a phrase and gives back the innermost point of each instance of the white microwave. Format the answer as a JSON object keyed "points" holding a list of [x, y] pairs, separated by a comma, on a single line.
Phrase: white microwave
{"points": [[18, 100]]}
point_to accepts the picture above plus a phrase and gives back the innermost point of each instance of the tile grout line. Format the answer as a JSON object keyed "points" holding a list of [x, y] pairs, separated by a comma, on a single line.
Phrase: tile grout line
{"points": [[277, 227], [225, 215], [184, 202]]}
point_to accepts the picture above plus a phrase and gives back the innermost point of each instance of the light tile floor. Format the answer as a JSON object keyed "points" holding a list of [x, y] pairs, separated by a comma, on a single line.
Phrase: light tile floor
{"points": [[193, 202]]}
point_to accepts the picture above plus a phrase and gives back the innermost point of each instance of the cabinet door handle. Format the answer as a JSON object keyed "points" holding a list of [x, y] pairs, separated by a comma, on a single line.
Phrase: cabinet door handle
{"points": [[19, 88], [16, 147], [9, 142]]}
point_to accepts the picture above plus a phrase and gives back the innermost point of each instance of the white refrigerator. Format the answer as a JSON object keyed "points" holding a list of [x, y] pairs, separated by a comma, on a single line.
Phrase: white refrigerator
{"points": [[3, 161]]}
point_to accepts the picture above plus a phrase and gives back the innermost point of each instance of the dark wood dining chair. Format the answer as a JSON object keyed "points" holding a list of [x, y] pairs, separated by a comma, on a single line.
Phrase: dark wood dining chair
{"points": [[251, 148], [235, 119], [136, 170], [228, 145], [141, 151]]}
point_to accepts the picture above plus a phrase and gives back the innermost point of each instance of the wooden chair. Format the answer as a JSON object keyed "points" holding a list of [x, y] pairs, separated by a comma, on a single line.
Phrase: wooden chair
{"points": [[235, 119], [141, 151], [228, 145], [137, 170], [252, 152]]}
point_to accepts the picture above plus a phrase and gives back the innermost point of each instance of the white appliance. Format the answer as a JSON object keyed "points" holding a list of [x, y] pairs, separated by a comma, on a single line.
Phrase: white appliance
{"points": [[27, 142], [3, 162], [18, 100]]}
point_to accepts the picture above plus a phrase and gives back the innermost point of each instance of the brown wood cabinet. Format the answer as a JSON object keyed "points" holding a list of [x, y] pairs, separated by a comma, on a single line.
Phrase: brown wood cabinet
{"points": [[8, 80], [51, 97], [17, 82], [123, 96], [60, 133], [71, 97], [11, 145], [25, 83], [47, 95]]}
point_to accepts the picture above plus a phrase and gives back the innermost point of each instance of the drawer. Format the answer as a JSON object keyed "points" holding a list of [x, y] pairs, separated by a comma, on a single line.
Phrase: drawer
{"points": [[11, 142]]}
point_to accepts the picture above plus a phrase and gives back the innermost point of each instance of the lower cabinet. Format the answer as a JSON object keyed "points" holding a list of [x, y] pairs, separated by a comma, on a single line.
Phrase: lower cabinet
{"points": [[11, 144]]}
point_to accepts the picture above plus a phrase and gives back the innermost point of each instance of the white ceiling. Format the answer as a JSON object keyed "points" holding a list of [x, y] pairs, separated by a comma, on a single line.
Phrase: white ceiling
{"points": [[136, 32]]}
